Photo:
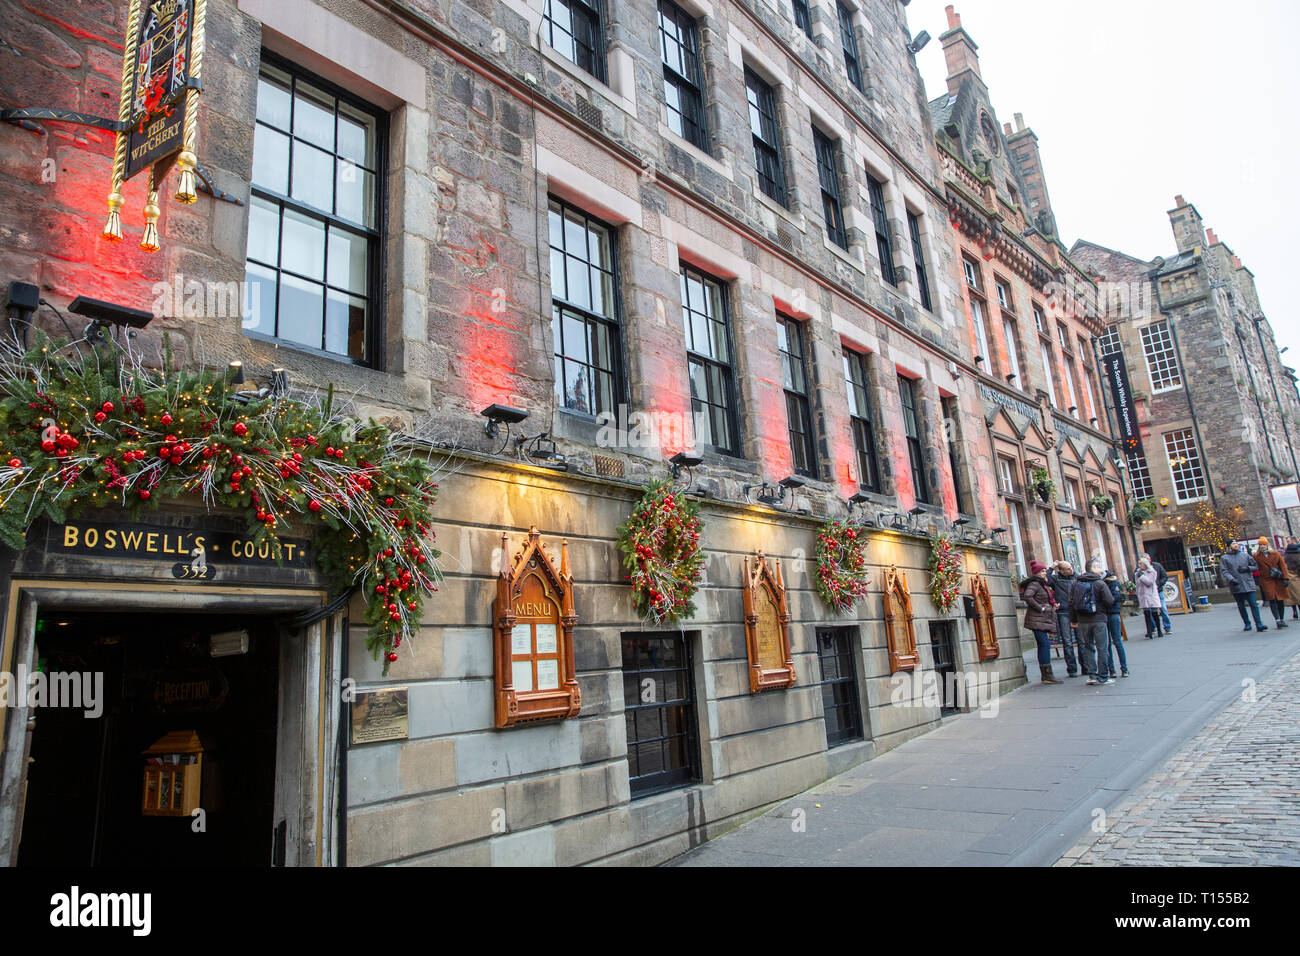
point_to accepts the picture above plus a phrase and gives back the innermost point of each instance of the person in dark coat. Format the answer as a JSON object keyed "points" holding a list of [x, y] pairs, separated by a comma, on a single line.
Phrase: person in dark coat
{"points": [[1040, 617], [1061, 580], [1237, 569], [1092, 622], [1273, 578], [1292, 558], [1114, 624]]}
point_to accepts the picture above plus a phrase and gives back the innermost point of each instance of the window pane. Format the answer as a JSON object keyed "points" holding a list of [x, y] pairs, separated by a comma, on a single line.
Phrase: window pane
{"points": [[313, 177], [303, 245], [313, 116], [263, 231], [270, 159], [356, 136], [301, 309], [261, 317], [348, 257], [345, 324], [355, 195], [273, 98]]}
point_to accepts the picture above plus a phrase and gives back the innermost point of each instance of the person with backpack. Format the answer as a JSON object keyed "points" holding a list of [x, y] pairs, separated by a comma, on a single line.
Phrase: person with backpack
{"points": [[1273, 578], [1090, 605], [1040, 617], [1149, 597], [1237, 567], [1061, 581], [1115, 624]]}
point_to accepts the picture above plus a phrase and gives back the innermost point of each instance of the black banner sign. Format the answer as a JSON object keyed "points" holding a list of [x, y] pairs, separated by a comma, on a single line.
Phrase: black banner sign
{"points": [[158, 84], [193, 550], [1125, 410]]}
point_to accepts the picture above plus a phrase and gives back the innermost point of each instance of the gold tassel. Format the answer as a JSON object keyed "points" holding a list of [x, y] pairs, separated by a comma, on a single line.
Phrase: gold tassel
{"points": [[186, 191], [113, 227], [149, 241]]}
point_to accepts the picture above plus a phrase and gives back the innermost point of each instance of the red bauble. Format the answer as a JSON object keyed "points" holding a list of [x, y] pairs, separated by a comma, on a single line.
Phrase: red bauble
{"points": [[15, 463], [100, 416], [166, 419], [240, 429], [392, 656], [144, 494], [108, 407], [48, 445], [314, 505]]}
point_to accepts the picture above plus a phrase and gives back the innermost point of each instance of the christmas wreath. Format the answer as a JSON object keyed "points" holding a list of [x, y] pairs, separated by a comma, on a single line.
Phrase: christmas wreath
{"points": [[661, 549], [103, 430], [945, 573], [842, 565]]}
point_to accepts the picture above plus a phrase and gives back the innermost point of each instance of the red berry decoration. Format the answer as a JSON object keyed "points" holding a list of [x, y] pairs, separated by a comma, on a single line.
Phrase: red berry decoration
{"points": [[660, 545], [841, 559]]}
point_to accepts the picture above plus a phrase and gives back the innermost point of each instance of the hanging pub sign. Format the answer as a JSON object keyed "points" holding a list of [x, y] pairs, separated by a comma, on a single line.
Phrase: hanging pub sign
{"points": [[1125, 409], [533, 617], [158, 109], [767, 625], [986, 635]]}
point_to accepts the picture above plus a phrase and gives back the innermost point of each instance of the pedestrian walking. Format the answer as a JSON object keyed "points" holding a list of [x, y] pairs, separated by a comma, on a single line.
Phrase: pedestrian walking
{"points": [[1292, 558], [1149, 597], [1161, 577], [1273, 578], [1115, 623], [1040, 617], [1090, 604], [1237, 569], [1061, 580]]}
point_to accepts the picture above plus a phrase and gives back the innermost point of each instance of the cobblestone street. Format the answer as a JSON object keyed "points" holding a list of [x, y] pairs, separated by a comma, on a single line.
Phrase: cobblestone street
{"points": [[1230, 796]]}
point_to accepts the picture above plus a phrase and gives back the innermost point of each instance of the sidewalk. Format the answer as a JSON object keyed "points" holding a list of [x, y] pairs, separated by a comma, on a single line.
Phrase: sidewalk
{"points": [[1023, 787]]}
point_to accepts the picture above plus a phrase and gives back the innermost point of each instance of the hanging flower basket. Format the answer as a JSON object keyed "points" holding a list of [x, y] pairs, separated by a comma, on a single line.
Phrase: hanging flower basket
{"points": [[1102, 504], [1140, 512], [81, 433], [945, 573], [1043, 485], [841, 556], [661, 550]]}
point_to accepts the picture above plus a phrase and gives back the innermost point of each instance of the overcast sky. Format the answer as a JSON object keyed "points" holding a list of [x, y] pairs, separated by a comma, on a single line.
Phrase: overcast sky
{"points": [[1134, 101]]}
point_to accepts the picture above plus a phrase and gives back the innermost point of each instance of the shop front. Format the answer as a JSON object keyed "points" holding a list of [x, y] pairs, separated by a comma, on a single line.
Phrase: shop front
{"points": [[172, 697]]}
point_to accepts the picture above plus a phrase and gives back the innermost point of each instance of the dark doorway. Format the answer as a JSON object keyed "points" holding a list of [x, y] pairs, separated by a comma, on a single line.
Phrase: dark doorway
{"points": [[943, 644], [159, 675], [1169, 553]]}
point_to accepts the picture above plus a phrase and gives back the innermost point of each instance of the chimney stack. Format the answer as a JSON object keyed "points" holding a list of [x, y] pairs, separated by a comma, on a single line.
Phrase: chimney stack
{"points": [[959, 52], [1020, 122], [1189, 229], [1211, 237]]}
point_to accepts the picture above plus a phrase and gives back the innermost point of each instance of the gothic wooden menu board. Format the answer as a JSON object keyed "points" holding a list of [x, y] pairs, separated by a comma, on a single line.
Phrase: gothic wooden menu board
{"points": [[767, 626]]}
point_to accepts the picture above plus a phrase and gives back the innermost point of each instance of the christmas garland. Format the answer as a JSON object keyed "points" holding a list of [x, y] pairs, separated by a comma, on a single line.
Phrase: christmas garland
{"points": [[842, 565], [945, 573], [103, 430], [661, 549]]}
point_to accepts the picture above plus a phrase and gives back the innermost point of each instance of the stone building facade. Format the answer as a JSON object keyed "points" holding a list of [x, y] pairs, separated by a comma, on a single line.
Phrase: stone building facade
{"points": [[716, 226], [1217, 407], [1036, 371]]}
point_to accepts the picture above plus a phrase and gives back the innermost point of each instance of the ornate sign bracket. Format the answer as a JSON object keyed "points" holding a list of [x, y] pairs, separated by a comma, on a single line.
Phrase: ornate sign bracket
{"points": [[899, 634], [533, 618], [986, 635], [767, 625]]}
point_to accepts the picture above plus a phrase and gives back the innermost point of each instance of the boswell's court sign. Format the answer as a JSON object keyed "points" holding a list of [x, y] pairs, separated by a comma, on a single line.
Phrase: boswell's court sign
{"points": [[196, 550]]}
